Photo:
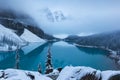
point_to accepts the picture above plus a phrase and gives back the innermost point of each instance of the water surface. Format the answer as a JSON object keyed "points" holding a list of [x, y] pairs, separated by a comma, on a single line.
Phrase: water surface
{"points": [[62, 54]]}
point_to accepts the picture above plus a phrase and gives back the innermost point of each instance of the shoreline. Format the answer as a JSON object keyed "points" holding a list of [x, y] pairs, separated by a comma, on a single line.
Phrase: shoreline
{"points": [[113, 54]]}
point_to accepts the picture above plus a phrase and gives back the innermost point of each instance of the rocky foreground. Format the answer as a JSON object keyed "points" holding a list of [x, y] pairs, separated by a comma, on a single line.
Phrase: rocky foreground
{"points": [[67, 73]]}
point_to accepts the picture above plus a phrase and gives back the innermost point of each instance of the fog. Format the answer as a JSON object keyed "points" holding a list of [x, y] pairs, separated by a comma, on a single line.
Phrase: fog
{"points": [[82, 17]]}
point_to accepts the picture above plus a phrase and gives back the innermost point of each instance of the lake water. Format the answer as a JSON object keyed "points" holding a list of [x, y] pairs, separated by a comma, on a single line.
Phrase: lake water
{"points": [[62, 54]]}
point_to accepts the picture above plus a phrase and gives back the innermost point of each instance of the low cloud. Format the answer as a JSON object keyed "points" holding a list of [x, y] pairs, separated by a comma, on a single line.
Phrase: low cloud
{"points": [[83, 16]]}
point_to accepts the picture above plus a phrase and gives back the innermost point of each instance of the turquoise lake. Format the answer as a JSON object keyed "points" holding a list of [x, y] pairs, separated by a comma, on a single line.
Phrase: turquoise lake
{"points": [[63, 54]]}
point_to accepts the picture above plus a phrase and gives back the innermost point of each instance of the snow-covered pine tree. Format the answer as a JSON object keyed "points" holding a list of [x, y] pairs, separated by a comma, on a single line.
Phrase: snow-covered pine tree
{"points": [[39, 68], [49, 67], [17, 57]]}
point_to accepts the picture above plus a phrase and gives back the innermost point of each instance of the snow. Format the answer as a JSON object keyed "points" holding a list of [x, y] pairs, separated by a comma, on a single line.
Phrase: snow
{"points": [[9, 35], [5, 48], [14, 74], [68, 73], [30, 37], [59, 16], [34, 41], [107, 74], [75, 73]]}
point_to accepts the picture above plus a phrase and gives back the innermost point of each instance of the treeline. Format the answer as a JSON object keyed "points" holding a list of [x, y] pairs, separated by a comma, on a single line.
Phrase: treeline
{"points": [[8, 42], [109, 40]]}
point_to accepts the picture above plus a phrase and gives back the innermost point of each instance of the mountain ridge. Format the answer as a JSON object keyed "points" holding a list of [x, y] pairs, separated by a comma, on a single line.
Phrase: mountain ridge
{"points": [[18, 24]]}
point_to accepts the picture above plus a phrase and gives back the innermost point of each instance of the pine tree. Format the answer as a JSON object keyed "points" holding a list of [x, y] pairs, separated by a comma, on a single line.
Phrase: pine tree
{"points": [[49, 67], [39, 68], [17, 57]]}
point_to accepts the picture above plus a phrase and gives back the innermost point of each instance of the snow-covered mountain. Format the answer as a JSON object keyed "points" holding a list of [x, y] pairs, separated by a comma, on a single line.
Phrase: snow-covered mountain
{"points": [[52, 16], [59, 16], [109, 41], [30, 37], [19, 27], [9, 40], [20, 21], [87, 73]]}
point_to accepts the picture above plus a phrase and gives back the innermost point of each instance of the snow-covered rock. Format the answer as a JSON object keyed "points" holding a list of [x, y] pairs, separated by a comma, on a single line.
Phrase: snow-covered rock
{"points": [[30, 37], [9, 40], [68, 73], [13, 74], [76, 73], [54, 75], [107, 74]]}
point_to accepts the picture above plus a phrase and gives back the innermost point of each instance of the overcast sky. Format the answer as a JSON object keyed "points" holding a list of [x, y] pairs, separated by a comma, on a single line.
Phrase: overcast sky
{"points": [[84, 16]]}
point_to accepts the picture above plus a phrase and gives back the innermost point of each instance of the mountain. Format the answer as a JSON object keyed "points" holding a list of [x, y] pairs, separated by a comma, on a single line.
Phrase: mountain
{"points": [[9, 40], [22, 28], [59, 16], [109, 40], [52, 16], [30, 37], [21, 21]]}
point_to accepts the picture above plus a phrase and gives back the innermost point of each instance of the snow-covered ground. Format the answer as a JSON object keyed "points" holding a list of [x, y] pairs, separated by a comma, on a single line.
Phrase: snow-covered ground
{"points": [[107, 74], [76, 73], [13, 74], [68, 73], [30, 37], [9, 40]]}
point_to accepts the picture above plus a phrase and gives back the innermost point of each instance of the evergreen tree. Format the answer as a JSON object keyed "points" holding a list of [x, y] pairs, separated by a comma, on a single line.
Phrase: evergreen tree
{"points": [[39, 68], [17, 57], [49, 67]]}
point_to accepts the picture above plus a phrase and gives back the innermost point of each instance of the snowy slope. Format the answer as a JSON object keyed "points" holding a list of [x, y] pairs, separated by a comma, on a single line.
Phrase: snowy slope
{"points": [[9, 40], [30, 37], [13, 74]]}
